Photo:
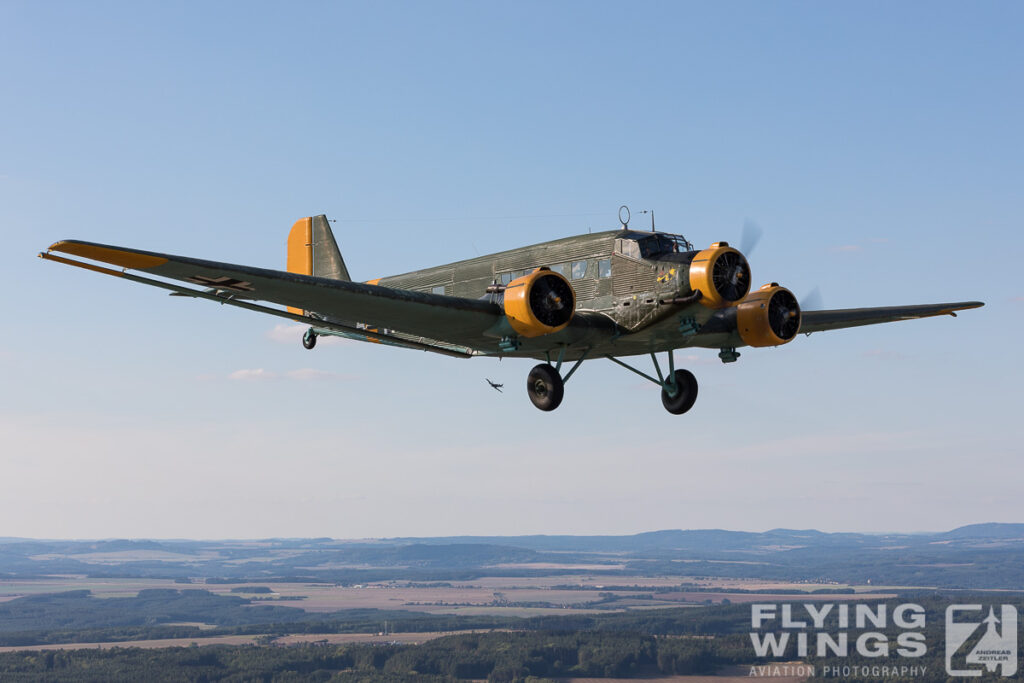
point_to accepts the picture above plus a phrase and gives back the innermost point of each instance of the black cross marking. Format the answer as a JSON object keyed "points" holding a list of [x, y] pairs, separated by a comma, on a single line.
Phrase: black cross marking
{"points": [[222, 283]]}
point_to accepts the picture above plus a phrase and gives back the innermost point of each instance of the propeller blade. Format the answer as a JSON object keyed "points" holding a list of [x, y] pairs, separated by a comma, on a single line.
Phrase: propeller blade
{"points": [[750, 237], [812, 301]]}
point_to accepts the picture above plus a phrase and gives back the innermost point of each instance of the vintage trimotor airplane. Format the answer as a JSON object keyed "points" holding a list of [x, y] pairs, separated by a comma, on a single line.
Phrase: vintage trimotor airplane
{"points": [[602, 295]]}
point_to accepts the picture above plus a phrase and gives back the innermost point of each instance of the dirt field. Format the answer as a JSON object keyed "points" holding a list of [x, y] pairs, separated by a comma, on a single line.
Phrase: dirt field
{"points": [[148, 644], [333, 638], [760, 597], [553, 565], [486, 595], [101, 588]]}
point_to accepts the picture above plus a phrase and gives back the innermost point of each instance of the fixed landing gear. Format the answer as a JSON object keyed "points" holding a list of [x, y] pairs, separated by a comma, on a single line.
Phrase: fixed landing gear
{"points": [[545, 386], [309, 339], [679, 392], [678, 389]]}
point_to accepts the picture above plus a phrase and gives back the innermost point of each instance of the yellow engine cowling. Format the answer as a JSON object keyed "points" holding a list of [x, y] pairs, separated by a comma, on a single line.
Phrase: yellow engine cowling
{"points": [[539, 303], [721, 274], [768, 317]]}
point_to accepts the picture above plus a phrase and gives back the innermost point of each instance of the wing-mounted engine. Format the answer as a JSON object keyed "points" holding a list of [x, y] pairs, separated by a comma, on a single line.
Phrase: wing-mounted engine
{"points": [[539, 303], [768, 317], [721, 274]]}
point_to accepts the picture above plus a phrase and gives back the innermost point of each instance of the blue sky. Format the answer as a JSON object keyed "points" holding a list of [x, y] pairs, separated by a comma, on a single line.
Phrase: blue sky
{"points": [[879, 145]]}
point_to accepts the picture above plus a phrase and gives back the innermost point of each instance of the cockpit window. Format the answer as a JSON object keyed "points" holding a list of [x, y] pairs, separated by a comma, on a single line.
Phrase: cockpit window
{"points": [[656, 245], [651, 245]]}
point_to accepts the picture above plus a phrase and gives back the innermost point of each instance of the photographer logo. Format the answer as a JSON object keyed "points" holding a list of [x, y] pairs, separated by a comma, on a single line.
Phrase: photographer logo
{"points": [[996, 647]]}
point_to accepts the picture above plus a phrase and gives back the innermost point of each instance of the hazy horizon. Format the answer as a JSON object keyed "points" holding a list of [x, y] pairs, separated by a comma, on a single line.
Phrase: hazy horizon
{"points": [[553, 534]]}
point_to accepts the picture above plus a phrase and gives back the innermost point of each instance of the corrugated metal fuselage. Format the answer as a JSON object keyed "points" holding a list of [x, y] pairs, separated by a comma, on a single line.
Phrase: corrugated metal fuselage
{"points": [[621, 279]]}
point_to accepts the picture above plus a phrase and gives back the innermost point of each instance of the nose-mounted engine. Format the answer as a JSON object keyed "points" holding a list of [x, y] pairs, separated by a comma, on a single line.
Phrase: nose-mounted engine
{"points": [[539, 303], [721, 274]]}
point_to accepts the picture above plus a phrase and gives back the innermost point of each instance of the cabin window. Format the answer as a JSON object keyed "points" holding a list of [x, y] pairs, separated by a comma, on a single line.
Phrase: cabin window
{"points": [[506, 278], [604, 267], [437, 290], [628, 248], [579, 269], [562, 268]]}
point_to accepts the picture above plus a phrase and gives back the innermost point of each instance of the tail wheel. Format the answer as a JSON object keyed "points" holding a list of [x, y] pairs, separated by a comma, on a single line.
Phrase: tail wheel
{"points": [[685, 385], [309, 339], [545, 387]]}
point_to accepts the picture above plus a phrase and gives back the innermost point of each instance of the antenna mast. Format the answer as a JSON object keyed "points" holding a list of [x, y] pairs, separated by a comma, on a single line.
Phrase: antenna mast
{"points": [[650, 211]]}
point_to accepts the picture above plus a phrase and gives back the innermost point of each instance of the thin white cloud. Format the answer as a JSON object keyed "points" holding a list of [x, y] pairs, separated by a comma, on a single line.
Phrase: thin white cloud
{"points": [[299, 375], [287, 333], [254, 374]]}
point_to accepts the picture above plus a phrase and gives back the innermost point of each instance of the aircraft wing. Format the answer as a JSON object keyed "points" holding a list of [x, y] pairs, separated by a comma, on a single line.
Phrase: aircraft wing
{"points": [[821, 321], [348, 307]]}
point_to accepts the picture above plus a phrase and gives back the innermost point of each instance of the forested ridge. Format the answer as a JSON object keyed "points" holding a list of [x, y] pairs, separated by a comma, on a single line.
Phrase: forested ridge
{"points": [[973, 557], [629, 644], [497, 656], [77, 617]]}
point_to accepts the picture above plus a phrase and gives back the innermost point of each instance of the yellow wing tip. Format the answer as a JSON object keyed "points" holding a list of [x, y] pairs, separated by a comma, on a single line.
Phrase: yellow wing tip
{"points": [[112, 255], [58, 245]]}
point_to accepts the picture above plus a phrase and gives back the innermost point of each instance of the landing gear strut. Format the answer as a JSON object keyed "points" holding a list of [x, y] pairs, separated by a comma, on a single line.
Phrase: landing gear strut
{"points": [[309, 339], [546, 386], [678, 389]]}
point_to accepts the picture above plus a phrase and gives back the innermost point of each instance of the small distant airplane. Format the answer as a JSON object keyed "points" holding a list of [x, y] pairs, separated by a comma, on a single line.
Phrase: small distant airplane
{"points": [[494, 386], [602, 295]]}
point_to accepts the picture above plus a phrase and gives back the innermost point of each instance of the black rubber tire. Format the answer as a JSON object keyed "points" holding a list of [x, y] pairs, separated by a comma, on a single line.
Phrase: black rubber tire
{"points": [[545, 387], [684, 399], [309, 339]]}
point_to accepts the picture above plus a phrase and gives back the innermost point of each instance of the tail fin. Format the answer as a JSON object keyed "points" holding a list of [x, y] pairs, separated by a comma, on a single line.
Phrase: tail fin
{"points": [[312, 250]]}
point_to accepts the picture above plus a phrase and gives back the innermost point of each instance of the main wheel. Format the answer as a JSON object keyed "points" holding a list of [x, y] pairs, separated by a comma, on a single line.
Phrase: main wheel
{"points": [[309, 339], [684, 396], [545, 387]]}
